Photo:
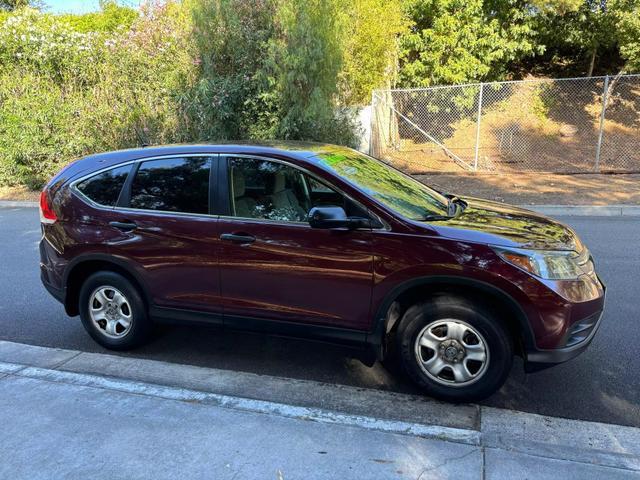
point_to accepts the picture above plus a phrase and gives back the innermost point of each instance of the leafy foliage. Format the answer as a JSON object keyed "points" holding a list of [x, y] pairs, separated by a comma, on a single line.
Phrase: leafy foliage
{"points": [[457, 41], [110, 18], [9, 5], [230, 98], [304, 63], [627, 20], [64, 94], [590, 31], [371, 48], [206, 70], [200, 70]]}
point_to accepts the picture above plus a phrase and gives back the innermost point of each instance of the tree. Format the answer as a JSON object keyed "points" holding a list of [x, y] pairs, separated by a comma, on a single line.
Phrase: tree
{"points": [[627, 21], [305, 60], [458, 41], [230, 97], [370, 47], [557, 7], [10, 5], [579, 31], [110, 18]]}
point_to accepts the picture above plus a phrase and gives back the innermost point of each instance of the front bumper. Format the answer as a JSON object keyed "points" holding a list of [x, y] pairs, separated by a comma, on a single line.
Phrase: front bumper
{"points": [[578, 338]]}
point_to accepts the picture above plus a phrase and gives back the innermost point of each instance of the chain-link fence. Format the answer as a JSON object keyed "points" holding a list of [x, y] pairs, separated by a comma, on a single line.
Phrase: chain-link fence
{"points": [[565, 126]]}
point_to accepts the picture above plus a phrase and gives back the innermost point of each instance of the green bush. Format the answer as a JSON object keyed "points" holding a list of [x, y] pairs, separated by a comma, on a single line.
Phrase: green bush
{"points": [[111, 18], [65, 94], [197, 70], [267, 69], [230, 98], [304, 63]]}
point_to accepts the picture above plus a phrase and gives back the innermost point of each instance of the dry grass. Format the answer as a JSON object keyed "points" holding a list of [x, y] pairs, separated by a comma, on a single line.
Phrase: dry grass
{"points": [[534, 129], [542, 188]]}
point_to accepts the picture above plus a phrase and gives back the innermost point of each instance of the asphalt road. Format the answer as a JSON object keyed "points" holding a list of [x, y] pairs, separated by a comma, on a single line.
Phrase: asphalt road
{"points": [[603, 384]]}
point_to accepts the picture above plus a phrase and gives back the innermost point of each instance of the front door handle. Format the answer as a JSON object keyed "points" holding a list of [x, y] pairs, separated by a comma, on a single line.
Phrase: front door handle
{"points": [[124, 226], [238, 237]]}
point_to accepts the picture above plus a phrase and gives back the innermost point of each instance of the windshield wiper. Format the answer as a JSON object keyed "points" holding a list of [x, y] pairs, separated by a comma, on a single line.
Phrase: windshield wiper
{"points": [[436, 218]]}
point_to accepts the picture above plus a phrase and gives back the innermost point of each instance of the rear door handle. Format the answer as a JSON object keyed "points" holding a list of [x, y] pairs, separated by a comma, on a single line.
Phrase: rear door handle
{"points": [[124, 226], [238, 238]]}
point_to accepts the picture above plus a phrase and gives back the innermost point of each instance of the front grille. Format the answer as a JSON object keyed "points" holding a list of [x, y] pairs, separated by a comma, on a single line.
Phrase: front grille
{"points": [[580, 331]]}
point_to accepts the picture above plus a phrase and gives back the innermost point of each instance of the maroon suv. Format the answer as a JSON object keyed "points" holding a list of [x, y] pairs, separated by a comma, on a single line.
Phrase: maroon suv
{"points": [[316, 241]]}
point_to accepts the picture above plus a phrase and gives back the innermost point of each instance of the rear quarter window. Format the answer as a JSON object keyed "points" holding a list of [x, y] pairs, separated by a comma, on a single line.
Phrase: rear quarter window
{"points": [[104, 188]]}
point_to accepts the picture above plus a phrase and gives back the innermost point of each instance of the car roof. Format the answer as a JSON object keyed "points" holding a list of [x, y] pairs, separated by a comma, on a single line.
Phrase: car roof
{"points": [[299, 150], [302, 151]]}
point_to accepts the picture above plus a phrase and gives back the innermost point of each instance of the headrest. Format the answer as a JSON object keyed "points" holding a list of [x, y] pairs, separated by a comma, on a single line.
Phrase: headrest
{"points": [[279, 182], [238, 183]]}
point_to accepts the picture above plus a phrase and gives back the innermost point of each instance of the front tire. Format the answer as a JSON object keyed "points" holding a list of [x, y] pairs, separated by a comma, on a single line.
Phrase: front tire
{"points": [[113, 312], [454, 349]]}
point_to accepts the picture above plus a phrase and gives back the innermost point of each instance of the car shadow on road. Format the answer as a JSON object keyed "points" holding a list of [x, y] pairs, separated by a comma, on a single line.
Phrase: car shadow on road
{"points": [[542, 392]]}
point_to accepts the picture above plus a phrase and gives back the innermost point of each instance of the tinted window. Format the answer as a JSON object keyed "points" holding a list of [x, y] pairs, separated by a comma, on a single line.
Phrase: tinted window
{"points": [[172, 185], [268, 190], [275, 191], [105, 187]]}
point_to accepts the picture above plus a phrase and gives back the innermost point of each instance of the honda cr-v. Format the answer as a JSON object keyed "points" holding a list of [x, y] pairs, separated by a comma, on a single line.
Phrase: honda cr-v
{"points": [[316, 241]]}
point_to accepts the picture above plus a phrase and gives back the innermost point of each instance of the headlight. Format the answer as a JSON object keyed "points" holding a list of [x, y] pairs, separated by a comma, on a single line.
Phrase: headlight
{"points": [[548, 264]]}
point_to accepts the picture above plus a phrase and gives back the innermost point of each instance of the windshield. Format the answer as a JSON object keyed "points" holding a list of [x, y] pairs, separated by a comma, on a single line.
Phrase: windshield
{"points": [[401, 193]]}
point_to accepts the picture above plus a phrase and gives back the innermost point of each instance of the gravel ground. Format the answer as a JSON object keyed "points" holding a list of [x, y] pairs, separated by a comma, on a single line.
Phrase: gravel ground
{"points": [[541, 188]]}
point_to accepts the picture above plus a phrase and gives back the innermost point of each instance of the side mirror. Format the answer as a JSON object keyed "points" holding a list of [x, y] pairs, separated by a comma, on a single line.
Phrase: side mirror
{"points": [[335, 217]]}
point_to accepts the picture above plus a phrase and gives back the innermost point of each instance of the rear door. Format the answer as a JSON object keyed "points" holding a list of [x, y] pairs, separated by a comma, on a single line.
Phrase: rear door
{"points": [[167, 232], [273, 265]]}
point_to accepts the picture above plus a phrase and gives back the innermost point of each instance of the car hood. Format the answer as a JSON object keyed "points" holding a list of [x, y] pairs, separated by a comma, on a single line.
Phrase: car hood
{"points": [[505, 225]]}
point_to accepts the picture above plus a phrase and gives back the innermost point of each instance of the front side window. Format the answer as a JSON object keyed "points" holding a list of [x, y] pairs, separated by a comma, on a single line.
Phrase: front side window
{"points": [[275, 191], [104, 188], [172, 185], [267, 190]]}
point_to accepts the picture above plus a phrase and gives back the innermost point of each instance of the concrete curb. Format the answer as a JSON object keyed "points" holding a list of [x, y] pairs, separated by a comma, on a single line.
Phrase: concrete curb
{"points": [[550, 210], [456, 435], [583, 442]]}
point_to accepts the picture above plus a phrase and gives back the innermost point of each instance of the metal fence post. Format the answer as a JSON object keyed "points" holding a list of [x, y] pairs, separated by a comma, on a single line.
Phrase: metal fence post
{"points": [[600, 133], [475, 161]]}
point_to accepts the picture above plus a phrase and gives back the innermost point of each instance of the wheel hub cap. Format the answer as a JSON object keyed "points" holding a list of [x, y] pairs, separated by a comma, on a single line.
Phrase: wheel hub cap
{"points": [[452, 352], [110, 312]]}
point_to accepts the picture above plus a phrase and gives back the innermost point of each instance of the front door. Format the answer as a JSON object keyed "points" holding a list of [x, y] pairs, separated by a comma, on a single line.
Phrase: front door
{"points": [[273, 265]]}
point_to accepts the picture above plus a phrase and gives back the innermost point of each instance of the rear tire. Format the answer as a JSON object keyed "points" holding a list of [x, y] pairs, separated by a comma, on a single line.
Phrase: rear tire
{"points": [[113, 311], [454, 349]]}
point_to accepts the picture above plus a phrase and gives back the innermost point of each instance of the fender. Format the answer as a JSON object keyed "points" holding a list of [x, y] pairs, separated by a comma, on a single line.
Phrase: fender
{"points": [[376, 335], [107, 258]]}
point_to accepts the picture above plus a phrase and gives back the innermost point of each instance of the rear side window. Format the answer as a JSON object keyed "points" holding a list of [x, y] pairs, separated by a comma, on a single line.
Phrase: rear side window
{"points": [[104, 188], [172, 185]]}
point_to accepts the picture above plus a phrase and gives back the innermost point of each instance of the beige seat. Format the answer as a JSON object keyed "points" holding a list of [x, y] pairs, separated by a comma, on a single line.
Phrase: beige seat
{"points": [[284, 200], [244, 206]]}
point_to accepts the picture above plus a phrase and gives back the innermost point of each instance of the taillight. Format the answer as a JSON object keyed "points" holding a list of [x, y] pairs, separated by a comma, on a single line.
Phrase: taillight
{"points": [[47, 214]]}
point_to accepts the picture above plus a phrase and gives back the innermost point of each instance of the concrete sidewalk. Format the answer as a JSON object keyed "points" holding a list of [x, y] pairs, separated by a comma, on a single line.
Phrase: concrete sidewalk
{"points": [[68, 414]]}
